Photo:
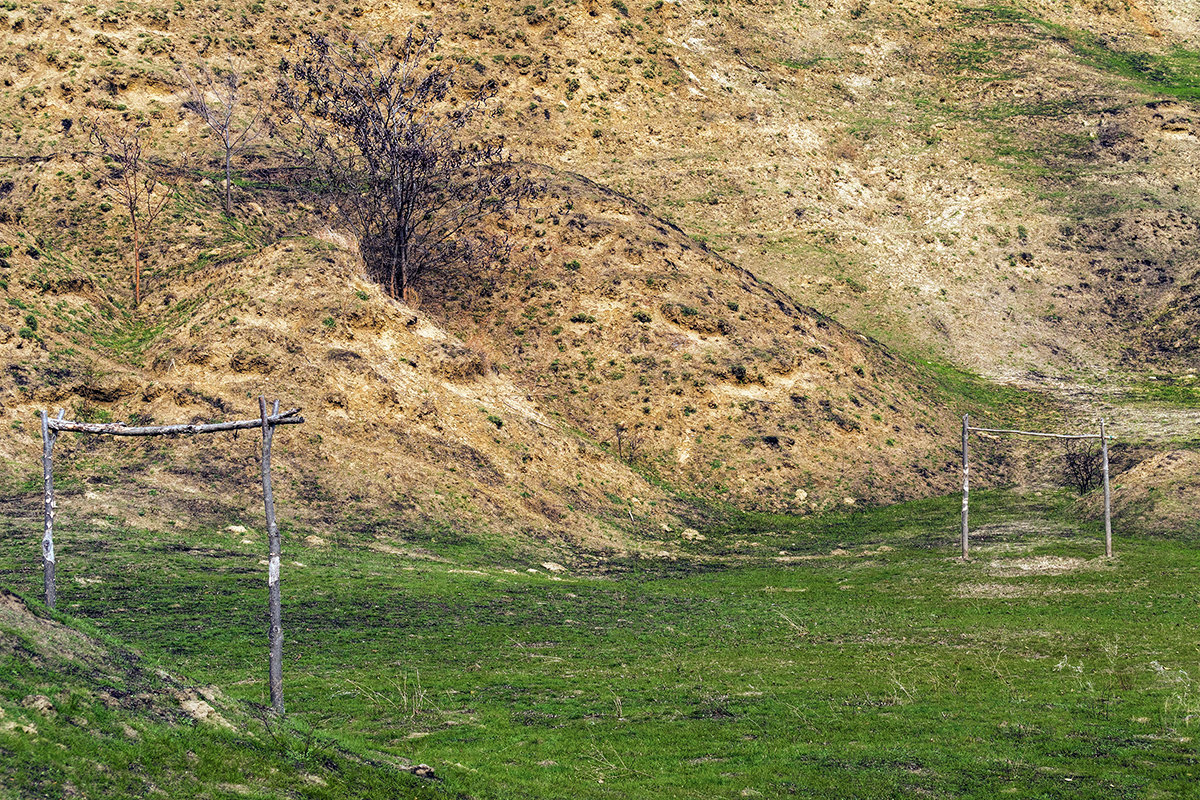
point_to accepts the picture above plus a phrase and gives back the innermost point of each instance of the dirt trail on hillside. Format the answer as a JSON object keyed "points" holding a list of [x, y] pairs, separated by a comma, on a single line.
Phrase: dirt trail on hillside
{"points": [[1128, 418], [1156, 470]]}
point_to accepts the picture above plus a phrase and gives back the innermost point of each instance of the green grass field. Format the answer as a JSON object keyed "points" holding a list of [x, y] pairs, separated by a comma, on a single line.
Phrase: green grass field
{"points": [[848, 656]]}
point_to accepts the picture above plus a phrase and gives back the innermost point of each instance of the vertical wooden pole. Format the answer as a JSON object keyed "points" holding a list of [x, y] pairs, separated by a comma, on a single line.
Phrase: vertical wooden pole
{"points": [[276, 632], [966, 484], [48, 438], [1107, 495]]}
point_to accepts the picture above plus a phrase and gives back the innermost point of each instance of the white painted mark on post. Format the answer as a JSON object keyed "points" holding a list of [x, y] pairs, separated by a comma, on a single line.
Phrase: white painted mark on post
{"points": [[48, 550], [273, 571]]}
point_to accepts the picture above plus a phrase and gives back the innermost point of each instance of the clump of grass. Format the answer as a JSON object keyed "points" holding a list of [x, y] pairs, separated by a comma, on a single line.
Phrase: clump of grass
{"points": [[977, 394]]}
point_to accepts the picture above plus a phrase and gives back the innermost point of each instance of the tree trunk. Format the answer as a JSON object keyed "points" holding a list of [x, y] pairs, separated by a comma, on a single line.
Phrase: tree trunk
{"points": [[392, 280], [1108, 550], [137, 263], [228, 184], [289, 417]]}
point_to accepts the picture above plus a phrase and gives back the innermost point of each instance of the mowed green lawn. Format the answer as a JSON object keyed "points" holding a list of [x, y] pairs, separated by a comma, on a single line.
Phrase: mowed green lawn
{"points": [[850, 656]]}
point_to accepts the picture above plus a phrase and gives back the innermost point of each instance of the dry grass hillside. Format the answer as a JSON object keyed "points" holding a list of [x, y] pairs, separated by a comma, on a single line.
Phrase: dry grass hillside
{"points": [[691, 369], [1007, 188], [1157, 496], [407, 431], [613, 357], [1011, 186]]}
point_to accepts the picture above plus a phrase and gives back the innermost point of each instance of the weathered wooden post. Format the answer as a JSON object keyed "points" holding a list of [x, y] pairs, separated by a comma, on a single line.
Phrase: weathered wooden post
{"points": [[966, 484], [275, 636], [48, 438], [1107, 495]]}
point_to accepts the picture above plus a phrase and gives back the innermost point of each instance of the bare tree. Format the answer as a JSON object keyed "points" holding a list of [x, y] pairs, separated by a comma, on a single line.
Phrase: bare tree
{"points": [[628, 442], [221, 101], [634, 446], [134, 180], [383, 127], [1082, 464]]}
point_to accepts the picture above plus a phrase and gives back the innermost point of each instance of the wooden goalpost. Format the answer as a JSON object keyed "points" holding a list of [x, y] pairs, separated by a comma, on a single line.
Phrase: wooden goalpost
{"points": [[51, 427], [966, 470]]}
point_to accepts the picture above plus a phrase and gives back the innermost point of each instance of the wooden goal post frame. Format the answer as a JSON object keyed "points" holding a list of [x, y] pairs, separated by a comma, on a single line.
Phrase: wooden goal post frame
{"points": [[52, 426], [966, 471]]}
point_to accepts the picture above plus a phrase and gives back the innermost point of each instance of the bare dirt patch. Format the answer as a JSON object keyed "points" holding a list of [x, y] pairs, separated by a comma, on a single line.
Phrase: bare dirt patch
{"points": [[1043, 565], [1005, 591], [45, 635], [1015, 535], [998, 591]]}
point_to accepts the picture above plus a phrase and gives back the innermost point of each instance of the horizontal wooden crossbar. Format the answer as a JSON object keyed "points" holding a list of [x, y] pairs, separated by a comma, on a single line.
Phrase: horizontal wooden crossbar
{"points": [[1035, 433], [290, 417]]}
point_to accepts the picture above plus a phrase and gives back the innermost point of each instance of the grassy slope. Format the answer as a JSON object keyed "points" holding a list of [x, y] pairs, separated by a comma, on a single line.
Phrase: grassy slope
{"points": [[83, 716], [849, 655]]}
